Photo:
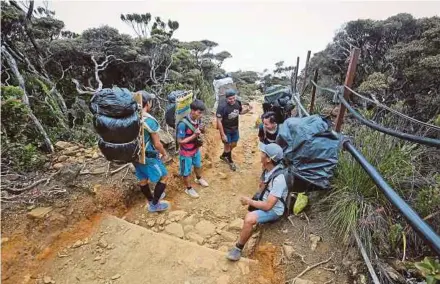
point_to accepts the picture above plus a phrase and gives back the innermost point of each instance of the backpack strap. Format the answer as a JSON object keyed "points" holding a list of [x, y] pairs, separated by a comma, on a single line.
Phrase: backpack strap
{"points": [[278, 172], [189, 124]]}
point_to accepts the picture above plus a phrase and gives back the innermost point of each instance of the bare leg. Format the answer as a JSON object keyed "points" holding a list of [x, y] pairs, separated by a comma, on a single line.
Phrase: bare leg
{"points": [[198, 172], [246, 232]]}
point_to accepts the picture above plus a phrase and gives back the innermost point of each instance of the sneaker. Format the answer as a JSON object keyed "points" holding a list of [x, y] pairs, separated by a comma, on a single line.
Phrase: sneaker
{"points": [[191, 192], [202, 182], [234, 254], [232, 166], [160, 206]]}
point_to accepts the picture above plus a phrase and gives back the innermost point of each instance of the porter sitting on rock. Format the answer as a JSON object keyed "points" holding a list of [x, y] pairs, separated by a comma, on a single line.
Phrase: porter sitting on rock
{"points": [[267, 205]]}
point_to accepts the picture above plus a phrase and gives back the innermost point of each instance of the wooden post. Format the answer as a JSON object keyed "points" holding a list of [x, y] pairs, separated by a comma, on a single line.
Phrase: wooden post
{"points": [[296, 74], [305, 72], [138, 99], [349, 78], [312, 100]]}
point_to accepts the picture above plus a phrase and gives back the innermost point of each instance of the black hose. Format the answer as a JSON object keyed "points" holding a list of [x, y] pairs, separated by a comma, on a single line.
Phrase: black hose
{"points": [[409, 137], [417, 223]]}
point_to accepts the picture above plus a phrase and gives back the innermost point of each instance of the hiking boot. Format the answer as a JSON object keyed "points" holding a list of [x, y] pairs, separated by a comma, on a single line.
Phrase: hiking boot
{"points": [[234, 254], [159, 207], [202, 182], [192, 193]]}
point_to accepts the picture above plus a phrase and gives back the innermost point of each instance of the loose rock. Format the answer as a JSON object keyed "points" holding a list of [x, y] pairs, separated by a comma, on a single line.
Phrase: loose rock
{"points": [[160, 221], [62, 158], [205, 228], [191, 220], [151, 223], [48, 280], [177, 215], [77, 244], [102, 243], [237, 224], [289, 251], [195, 238], [175, 229], [228, 236], [314, 239], [222, 175], [116, 276]]}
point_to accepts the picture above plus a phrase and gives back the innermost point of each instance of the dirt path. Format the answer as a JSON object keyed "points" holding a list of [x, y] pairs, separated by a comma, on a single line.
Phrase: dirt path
{"points": [[283, 249]]}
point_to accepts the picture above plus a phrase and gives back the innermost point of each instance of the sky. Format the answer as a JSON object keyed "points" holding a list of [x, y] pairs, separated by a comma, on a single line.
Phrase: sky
{"points": [[256, 33]]}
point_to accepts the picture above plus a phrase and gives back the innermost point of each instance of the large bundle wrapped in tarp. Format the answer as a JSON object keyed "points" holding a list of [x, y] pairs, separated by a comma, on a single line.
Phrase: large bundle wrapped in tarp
{"points": [[117, 120], [278, 99], [310, 149], [121, 152], [114, 102], [117, 130]]}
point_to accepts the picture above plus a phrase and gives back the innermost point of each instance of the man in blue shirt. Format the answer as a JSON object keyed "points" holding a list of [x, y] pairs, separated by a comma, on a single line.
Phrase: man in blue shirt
{"points": [[154, 169]]}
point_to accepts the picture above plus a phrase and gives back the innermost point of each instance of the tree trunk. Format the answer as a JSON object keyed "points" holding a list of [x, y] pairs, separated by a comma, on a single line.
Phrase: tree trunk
{"points": [[13, 65]]}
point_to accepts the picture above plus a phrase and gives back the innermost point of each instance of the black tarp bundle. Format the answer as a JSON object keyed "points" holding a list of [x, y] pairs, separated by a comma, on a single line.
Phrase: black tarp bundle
{"points": [[117, 121], [310, 149], [278, 99]]}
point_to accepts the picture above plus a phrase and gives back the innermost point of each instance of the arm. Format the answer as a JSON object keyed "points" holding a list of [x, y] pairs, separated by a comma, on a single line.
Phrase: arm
{"points": [[181, 133], [263, 205], [157, 144], [220, 126], [244, 111]]}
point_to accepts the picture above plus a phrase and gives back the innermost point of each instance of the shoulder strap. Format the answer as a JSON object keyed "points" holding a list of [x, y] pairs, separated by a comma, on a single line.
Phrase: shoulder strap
{"points": [[189, 124], [266, 187]]}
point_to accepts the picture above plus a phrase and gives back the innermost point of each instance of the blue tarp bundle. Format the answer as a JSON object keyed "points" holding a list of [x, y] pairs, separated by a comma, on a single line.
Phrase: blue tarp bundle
{"points": [[311, 149]]}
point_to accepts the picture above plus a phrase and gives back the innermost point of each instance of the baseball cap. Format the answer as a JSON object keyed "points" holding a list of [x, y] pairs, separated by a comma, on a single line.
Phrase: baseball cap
{"points": [[273, 151], [230, 93]]}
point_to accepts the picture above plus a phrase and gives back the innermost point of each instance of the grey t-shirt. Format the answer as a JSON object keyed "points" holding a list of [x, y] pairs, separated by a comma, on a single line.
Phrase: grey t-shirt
{"points": [[278, 188]]}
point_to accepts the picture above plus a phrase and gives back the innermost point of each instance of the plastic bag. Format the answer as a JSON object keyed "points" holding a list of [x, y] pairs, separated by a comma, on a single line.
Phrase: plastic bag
{"points": [[124, 152], [117, 130], [115, 102], [300, 203]]}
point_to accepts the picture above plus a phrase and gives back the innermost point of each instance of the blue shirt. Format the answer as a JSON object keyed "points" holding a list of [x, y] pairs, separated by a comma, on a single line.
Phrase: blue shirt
{"points": [[150, 126]]}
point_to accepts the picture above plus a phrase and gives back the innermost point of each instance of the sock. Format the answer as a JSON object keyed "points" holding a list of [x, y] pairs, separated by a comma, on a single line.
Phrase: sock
{"points": [[158, 190], [198, 177], [239, 246], [189, 187], [147, 192], [224, 154], [229, 157]]}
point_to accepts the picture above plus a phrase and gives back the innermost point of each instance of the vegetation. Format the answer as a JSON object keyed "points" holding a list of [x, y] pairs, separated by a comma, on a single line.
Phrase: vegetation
{"points": [[396, 56], [49, 73]]}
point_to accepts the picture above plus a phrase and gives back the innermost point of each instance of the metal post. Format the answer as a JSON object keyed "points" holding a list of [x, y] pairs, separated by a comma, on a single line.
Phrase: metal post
{"points": [[312, 100], [305, 72], [349, 78]]}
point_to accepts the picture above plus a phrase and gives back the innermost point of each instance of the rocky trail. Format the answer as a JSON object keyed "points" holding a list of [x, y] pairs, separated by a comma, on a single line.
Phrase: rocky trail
{"points": [[100, 231]]}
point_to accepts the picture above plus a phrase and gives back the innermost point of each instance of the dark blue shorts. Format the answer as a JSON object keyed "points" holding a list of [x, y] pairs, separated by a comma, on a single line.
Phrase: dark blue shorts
{"points": [[232, 136]]}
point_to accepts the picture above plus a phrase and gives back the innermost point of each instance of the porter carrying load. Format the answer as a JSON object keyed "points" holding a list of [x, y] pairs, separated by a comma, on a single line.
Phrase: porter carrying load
{"points": [[117, 120]]}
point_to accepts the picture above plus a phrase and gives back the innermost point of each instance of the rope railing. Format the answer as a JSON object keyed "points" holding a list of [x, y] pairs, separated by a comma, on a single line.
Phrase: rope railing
{"points": [[392, 110], [405, 136]]}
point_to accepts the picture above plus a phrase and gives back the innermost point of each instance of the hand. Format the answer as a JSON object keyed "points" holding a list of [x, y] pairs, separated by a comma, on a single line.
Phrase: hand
{"points": [[165, 158], [224, 138], [245, 200], [202, 127], [197, 132]]}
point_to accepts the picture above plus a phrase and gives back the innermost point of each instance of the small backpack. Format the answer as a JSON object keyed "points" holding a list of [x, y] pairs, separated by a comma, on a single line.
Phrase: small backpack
{"points": [[288, 176]]}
